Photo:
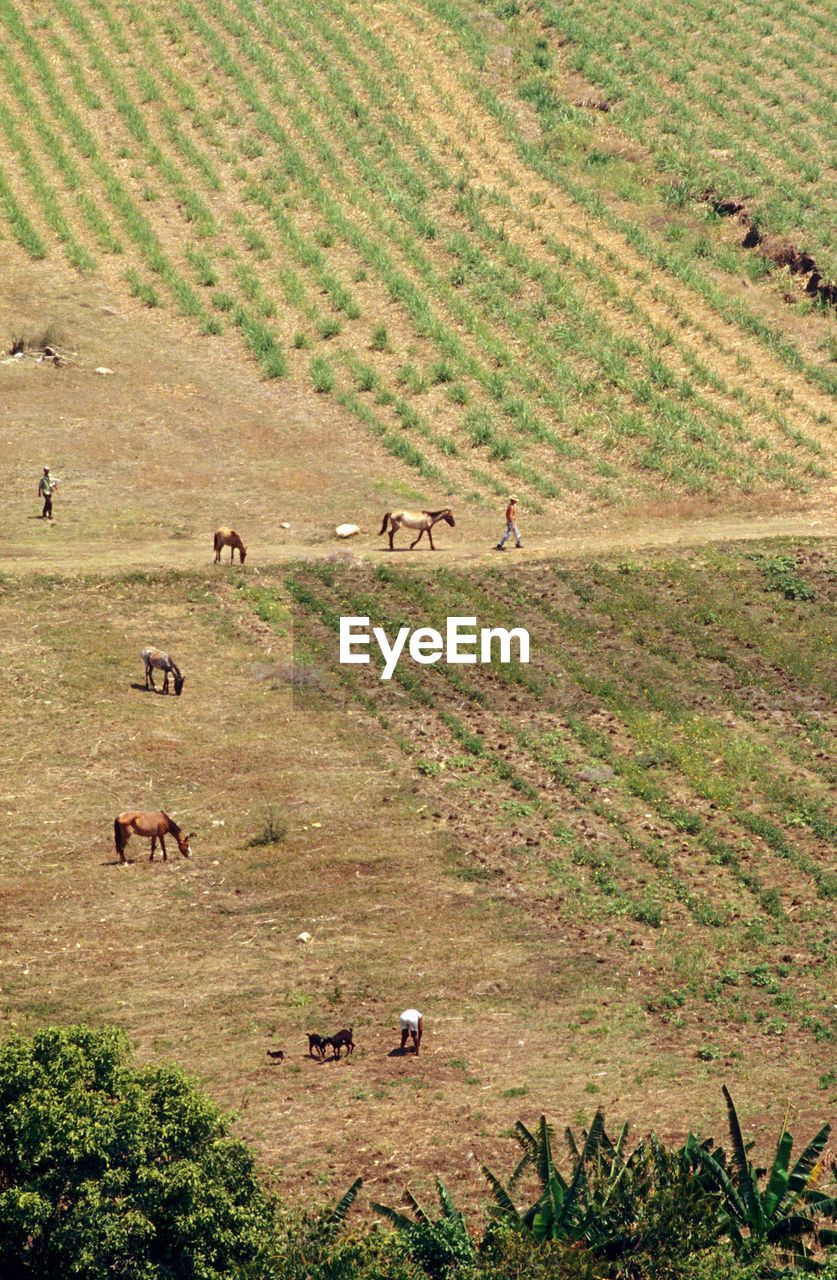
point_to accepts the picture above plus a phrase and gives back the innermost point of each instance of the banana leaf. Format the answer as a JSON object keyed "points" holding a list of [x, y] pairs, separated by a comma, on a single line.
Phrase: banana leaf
{"points": [[779, 1176]]}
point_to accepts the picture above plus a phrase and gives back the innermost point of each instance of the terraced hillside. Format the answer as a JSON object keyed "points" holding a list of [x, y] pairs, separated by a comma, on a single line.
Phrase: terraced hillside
{"points": [[607, 876], [380, 206]]}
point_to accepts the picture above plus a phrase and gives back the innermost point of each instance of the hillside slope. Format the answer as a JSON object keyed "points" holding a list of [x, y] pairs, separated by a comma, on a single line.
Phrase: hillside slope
{"points": [[386, 212]]}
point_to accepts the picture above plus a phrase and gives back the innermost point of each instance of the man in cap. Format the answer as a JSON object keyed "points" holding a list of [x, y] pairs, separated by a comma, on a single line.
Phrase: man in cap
{"points": [[511, 526], [47, 486]]}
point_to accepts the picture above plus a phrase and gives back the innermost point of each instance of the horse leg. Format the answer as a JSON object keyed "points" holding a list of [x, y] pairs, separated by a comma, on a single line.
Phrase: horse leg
{"points": [[153, 846], [163, 847], [392, 528], [430, 536], [166, 683], [417, 540]]}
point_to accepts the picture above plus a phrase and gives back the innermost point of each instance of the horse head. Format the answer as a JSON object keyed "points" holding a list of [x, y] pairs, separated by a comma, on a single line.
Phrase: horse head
{"points": [[183, 844], [178, 684], [448, 516], [242, 551]]}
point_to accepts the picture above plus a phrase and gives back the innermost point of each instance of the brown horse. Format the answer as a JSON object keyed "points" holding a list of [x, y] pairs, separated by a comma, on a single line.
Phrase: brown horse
{"points": [[228, 538], [153, 826], [421, 520]]}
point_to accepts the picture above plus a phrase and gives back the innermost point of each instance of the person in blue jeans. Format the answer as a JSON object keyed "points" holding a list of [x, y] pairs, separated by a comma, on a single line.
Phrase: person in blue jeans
{"points": [[511, 526]]}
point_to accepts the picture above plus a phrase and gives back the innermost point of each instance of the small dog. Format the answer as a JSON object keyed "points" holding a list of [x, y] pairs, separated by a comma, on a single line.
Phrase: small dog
{"points": [[278, 1055], [317, 1045], [342, 1040]]}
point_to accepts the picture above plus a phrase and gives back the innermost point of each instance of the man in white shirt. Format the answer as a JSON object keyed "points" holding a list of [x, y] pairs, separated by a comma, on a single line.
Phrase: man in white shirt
{"points": [[412, 1025]]}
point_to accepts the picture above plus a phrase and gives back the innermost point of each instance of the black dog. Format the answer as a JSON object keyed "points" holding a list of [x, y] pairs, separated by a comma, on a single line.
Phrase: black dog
{"points": [[317, 1045], [342, 1040], [278, 1055]]}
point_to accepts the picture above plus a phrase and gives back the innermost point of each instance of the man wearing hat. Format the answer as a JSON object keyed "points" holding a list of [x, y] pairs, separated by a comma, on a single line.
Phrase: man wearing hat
{"points": [[511, 526], [47, 486]]}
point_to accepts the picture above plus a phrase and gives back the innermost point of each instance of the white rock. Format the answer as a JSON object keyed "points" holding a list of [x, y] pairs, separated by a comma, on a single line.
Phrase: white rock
{"points": [[303, 937], [347, 530], [285, 524], [102, 369]]}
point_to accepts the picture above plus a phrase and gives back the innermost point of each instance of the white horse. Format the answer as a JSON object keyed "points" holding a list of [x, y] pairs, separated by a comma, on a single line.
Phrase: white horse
{"points": [[155, 658], [421, 520]]}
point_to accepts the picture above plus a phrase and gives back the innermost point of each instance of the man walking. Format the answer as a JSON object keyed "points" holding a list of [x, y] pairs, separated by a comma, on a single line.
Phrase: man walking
{"points": [[47, 486], [412, 1025], [511, 526]]}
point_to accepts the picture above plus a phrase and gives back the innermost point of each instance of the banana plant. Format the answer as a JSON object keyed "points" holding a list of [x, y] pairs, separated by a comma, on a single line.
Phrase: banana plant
{"points": [[786, 1209], [441, 1244], [331, 1221], [560, 1211]]}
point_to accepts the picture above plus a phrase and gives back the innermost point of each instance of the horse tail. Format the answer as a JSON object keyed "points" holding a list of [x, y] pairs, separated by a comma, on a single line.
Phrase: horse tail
{"points": [[119, 836], [216, 541], [384, 525]]}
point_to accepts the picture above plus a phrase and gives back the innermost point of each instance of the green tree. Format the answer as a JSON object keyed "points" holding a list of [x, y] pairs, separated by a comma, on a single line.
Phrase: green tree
{"points": [[107, 1168]]}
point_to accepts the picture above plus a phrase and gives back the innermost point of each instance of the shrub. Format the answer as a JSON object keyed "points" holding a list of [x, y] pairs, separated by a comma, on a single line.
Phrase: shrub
{"points": [[782, 574], [515, 1256], [273, 830], [111, 1169], [305, 1253]]}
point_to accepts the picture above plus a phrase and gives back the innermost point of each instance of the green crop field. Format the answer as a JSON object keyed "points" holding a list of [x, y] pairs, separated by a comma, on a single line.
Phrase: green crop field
{"points": [[736, 98], [356, 192]]}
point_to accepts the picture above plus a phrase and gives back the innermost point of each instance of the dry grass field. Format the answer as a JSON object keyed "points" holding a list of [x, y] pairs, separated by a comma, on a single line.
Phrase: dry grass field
{"points": [[341, 259]]}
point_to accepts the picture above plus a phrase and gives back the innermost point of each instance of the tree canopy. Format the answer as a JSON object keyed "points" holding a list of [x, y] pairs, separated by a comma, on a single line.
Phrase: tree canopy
{"points": [[108, 1168]]}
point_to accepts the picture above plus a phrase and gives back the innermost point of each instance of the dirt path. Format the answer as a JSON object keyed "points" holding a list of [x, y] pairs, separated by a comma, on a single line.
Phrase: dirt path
{"points": [[607, 538]]}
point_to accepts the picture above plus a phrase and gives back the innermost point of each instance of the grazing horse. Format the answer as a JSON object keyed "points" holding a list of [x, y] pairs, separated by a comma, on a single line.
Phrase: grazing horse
{"points": [[163, 662], [153, 826], [228, 538], [421, 520]]}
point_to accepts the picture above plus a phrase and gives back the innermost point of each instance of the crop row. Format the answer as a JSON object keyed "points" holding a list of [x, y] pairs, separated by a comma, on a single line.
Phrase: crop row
{"points": [[751, 113], [599, 783]]}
